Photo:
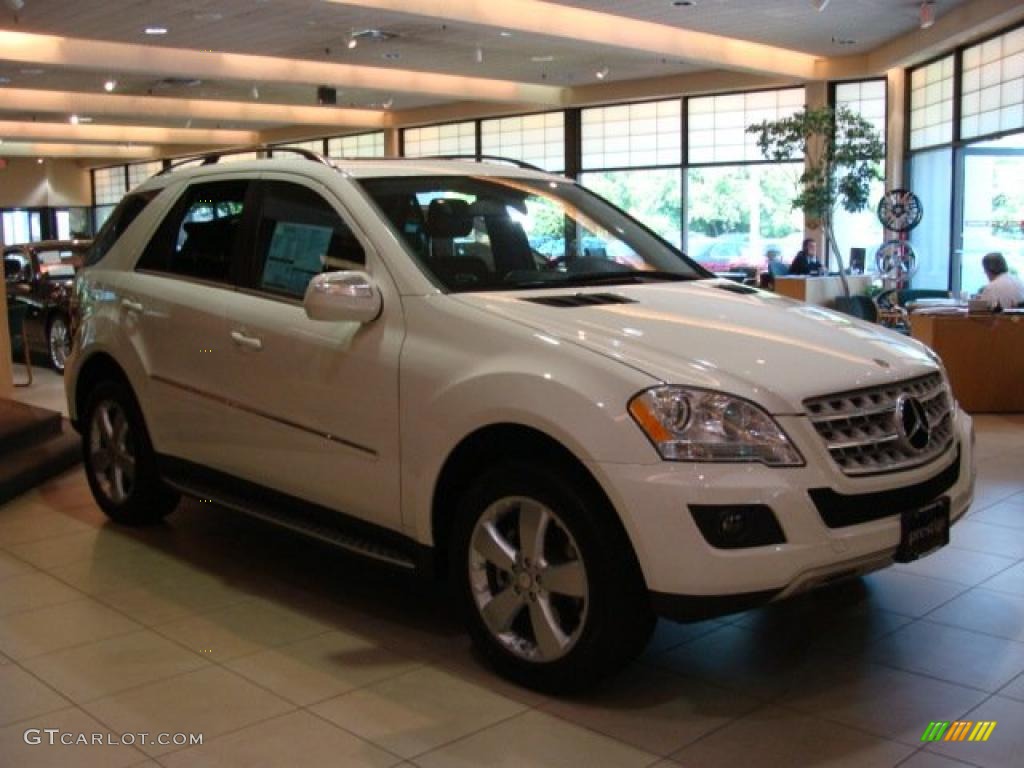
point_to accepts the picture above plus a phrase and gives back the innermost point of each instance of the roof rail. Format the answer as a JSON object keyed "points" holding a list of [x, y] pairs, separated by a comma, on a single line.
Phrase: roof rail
{"points": [[212, 158], [485, 158]]}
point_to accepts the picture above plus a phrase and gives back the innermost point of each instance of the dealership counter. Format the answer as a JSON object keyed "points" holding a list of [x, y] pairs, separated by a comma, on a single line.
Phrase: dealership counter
{"points": [[983, 354], [820, 290]]}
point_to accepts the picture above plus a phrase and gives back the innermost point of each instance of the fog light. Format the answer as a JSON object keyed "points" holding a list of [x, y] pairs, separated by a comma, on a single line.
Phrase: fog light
{"points": [[732, 525], [737, 526]]}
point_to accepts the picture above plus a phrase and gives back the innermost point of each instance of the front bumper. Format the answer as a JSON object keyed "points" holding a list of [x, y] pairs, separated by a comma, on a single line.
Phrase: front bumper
{"points": [[688, 578]]}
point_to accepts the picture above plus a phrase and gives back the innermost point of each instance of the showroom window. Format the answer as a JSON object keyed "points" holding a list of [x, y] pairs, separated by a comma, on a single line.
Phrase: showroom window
{"points": [[866, 98], [632, 156], [738, 206], [108, 187], [969, 185], [992, 90], [139, 172], [448, 139], [931, 104], [313, 145], [632, 135], [535, 139], [239, 157], [717, 125], [361, 145]]}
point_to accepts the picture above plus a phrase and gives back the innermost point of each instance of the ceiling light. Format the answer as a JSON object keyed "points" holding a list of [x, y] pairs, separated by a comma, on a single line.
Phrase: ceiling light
{"points": [[479, 55], [84, 119], [74, 119], [389, 102], [927, 14], [602, 73], [156, 31], [542, 59], [352, 43], [505, 33], [39, 160], [110, 85], [256, 92], [819, 5]]}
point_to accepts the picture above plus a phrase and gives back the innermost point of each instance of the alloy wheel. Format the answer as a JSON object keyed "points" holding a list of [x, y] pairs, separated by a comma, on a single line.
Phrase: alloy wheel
{"points": [[112, 451], [528, 579], [60, 342]]}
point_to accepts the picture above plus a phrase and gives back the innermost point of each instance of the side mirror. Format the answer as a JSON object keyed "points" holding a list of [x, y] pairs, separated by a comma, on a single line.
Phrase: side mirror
{"points": [[342, 296]]}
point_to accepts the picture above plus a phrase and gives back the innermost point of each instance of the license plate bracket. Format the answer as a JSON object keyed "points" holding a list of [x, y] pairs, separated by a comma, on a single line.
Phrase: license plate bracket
{"points": [[923, 530]]}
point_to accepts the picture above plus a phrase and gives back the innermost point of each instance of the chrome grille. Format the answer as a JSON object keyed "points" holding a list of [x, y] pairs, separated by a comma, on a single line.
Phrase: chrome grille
{"points": [[860, 431]]}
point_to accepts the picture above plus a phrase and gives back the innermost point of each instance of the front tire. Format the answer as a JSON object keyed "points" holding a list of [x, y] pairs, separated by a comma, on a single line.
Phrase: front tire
{"points": [[58, 341], [120, 463], [553, 596]]}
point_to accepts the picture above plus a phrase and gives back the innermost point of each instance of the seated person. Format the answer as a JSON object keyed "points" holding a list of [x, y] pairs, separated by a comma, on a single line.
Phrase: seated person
{"points": [[806, 261], [774, 268], [1003, 290]]}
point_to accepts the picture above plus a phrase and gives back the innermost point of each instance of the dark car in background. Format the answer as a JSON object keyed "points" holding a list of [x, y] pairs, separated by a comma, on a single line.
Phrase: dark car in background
{"points": [[41, 275]]}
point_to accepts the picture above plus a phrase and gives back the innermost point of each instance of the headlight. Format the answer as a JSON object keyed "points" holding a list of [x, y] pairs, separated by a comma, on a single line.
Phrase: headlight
{"points": [[699, 425]]}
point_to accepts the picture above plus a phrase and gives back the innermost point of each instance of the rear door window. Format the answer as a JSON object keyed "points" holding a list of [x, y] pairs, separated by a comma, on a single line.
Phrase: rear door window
{"points": [[200, 236]]}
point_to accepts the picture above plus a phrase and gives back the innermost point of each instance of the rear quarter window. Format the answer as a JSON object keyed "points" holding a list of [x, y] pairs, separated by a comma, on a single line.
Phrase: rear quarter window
{"points": [[123, 215]]}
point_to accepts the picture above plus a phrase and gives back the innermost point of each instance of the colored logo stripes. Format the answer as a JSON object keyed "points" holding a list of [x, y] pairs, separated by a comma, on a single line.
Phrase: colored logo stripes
{"points": [[959, 730]]}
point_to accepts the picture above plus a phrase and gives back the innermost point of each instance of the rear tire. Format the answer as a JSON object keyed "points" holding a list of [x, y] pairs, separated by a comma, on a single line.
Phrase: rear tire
{"points": [[552, 593], [120, 463], [58, 341]]}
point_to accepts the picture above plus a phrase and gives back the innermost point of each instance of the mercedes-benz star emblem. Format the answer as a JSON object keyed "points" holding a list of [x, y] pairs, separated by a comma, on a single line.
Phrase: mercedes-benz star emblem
{"points": [[912, 423]]}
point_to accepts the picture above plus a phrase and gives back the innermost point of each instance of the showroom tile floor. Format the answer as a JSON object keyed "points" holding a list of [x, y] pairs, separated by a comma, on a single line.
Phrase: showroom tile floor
{"points": [[282, 653]]}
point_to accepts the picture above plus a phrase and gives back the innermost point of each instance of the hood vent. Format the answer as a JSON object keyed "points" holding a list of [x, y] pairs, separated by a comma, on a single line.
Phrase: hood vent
{"points": [[567, 301], [731, 287]]}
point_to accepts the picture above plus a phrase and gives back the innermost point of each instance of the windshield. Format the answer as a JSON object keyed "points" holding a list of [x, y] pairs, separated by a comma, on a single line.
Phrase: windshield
{"points": [[473, 233], [58, 263]]}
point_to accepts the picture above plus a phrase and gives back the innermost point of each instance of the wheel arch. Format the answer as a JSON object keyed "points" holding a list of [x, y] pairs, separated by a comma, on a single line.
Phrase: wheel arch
{"points": [[99, 367], [493, 443]]}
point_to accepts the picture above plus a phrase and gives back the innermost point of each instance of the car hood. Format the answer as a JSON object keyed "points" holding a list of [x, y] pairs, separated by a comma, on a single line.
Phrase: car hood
{"points": [[719, 335]]}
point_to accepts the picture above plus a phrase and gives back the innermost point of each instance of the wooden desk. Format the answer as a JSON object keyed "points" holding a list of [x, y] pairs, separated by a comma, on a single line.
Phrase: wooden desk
{"points": [[983, 354], [820, 290]]}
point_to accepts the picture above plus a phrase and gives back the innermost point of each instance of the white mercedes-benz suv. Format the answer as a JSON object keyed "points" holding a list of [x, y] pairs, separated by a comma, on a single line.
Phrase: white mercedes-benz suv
{"points": [[489, 373]]}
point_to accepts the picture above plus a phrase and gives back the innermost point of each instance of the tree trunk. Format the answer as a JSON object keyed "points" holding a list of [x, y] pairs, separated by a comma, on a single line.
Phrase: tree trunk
{"points": [[830, 242]]}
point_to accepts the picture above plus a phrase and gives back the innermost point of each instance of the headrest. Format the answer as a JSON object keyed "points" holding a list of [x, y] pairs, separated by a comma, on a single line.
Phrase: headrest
{"points": [[447, 217]]}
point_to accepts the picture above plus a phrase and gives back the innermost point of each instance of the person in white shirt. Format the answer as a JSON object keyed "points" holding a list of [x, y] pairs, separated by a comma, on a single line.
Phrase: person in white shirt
{"points": [[1003, 289]]}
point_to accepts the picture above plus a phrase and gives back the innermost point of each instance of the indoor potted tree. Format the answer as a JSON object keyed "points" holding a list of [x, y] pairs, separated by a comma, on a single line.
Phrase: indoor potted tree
{"points": [[842, 155]]}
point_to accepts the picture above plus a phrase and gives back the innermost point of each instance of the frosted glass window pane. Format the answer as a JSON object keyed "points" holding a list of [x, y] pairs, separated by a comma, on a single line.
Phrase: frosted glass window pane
{"points": [[451, 139], [362, 145], [634, 134], [732, 114], [109, 185], [931, 100], [535, 139], [139, 172], [996, 68]]}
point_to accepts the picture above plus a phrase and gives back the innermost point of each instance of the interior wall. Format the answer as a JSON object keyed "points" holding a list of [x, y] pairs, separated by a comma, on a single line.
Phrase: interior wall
{"points": [[27, 183]]}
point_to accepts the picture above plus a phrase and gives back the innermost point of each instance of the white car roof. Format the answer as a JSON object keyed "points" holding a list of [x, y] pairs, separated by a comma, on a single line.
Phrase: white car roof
{"points": [[353, 168]]}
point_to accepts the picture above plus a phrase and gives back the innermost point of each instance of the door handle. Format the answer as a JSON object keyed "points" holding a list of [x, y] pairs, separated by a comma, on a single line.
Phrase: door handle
{"points": [[250, 342], [132, 305]]}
